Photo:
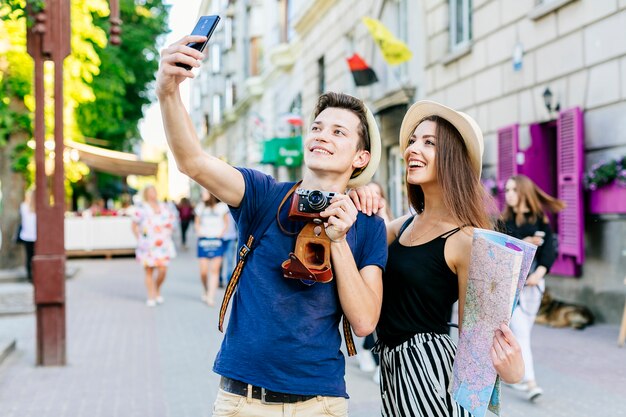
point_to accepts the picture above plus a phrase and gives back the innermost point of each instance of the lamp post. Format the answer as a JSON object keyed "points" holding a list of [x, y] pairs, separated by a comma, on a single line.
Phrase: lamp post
{"points": [[547, 101], [48, 39]]}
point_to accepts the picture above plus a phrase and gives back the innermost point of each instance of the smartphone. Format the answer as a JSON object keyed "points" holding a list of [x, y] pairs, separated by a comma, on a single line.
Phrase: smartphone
{"points": [[205, 27]]}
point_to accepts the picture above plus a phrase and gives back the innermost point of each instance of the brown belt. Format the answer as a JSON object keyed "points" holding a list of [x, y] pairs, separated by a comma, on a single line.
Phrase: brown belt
{"points": [[266, 396]]}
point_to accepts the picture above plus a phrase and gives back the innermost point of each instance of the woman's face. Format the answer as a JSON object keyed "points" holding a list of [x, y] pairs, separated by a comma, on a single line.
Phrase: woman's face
{"points": [[510, 194], [420, 154], [151, 194]]}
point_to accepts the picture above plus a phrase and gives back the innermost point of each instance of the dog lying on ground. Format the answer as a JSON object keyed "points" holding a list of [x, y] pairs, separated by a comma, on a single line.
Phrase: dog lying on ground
{"points": [[555, 313]]}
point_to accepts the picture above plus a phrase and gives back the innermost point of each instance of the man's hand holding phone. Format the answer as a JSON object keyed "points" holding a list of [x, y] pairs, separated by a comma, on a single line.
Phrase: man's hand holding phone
{"points": [[179, 58], [170, 74]]}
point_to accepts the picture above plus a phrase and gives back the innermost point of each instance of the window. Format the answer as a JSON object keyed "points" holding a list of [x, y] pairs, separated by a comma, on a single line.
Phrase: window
{"points": [[286, 12], [216, 58], [216, 107], [228, 33], [321, 79], [544, 7], [460, 23], [229, 93], [395, 174], [255, 67]]}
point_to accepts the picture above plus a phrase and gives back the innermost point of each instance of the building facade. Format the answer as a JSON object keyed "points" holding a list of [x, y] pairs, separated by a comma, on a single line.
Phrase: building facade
{"points": [[546, 81]]}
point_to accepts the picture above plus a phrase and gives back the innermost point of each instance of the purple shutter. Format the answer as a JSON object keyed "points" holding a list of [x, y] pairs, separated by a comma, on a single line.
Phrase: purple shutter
{"points": [[507, 151], [570, 160]]}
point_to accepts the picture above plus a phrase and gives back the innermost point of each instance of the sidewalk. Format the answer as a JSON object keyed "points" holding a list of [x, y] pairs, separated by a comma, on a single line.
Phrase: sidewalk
{"points": [[126, 360]]}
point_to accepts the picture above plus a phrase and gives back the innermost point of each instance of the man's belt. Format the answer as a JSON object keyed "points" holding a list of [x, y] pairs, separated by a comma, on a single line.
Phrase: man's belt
{"points": [[266, 396]]}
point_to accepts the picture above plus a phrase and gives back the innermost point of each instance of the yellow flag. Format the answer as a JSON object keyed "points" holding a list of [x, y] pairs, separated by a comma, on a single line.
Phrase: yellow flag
{"points": [[394, 51]]}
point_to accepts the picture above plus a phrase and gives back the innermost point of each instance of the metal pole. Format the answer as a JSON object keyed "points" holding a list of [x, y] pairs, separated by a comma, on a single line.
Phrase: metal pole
{"points": [[49, 39]]}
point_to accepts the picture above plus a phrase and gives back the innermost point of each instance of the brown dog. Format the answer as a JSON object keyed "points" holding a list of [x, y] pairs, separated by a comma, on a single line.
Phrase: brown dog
{"points": [[555, 313]]}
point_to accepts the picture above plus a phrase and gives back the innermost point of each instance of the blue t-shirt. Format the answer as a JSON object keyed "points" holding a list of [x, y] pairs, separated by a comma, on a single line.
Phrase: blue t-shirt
{"points": [[283, 335]]}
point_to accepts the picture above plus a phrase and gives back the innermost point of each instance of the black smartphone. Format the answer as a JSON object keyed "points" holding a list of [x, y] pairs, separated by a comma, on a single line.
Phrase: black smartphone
{"points": [[205, 27]]}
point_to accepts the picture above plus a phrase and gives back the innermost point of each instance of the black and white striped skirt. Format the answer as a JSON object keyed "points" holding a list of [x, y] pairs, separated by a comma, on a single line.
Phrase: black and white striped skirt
{"points": [[415, 377]]}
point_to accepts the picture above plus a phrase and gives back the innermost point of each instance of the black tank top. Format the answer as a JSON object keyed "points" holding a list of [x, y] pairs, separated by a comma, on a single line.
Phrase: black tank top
{"points": [[419, 290]]}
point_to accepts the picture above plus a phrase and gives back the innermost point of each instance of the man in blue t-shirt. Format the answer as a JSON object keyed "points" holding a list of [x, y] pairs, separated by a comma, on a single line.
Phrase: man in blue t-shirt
{"points": [[281, 350]]}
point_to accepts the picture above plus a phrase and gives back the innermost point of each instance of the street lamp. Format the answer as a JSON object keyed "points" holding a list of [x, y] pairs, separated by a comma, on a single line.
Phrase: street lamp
{"points": [[547, 101]]}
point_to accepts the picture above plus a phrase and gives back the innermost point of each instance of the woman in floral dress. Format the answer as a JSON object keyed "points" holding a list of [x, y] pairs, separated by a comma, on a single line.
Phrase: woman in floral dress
{"points": [[153, 225]]}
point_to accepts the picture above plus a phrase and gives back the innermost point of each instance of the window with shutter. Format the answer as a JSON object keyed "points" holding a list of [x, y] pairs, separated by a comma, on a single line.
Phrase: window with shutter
{"points": [[507, 151], [570, 160]]}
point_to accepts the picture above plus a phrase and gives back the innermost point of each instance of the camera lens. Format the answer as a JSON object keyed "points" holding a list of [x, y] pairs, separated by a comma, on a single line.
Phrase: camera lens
{"points": [[317, 201]]}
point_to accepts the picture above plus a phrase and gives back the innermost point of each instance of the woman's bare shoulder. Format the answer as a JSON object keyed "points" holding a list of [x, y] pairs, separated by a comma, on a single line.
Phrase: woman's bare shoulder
{"points": [[460, 243], [394, 226]]}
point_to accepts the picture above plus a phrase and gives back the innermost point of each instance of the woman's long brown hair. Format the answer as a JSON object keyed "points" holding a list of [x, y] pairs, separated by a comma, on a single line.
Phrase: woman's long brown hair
{"points": [[535, 199], [463, 193]]}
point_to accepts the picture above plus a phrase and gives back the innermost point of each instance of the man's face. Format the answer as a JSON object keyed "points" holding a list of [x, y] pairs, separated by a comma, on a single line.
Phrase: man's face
{"points": [[330, 145]]}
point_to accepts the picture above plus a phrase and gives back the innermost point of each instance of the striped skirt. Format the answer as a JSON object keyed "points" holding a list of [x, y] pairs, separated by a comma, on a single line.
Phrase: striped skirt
{"points": [[415, 377]]}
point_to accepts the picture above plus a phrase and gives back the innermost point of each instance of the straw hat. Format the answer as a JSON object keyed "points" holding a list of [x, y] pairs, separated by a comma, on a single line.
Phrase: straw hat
{"points": [[375, 151], [467, 127]]}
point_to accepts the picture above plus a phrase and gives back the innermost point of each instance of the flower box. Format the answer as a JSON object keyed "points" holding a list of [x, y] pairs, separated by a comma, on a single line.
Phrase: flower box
{"points": [[608, 199]]}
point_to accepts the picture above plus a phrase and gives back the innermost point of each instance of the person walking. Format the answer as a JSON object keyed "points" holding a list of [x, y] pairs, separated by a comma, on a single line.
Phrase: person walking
{"points": [[428, 263], [211, 224], [186, 216], [525, 217], [153, 225], [27, 234], [281, 351]]}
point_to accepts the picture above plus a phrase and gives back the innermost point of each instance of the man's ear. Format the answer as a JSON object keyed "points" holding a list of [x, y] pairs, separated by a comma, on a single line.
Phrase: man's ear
{"points": [[361, 159]]}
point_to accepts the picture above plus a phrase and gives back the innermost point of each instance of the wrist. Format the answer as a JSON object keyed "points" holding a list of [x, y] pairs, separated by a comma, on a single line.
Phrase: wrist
{"points": [[341, 239]]}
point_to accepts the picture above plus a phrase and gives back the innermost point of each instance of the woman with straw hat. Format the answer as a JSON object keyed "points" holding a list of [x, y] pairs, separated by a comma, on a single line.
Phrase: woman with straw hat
{"points": [[428, 262]]}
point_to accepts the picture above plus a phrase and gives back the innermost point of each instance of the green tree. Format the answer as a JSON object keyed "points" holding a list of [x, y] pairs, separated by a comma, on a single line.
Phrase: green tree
{"points": [[122, 87]]}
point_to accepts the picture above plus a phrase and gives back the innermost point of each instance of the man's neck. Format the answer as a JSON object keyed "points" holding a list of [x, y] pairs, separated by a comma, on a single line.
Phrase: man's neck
{"points": [[328, 182]]}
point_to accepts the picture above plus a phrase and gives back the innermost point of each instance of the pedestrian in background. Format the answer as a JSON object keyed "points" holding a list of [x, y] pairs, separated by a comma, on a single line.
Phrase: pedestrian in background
{"points": [[153, 225], [428, 264], [230, 251], [27, 233], [186, 216], [525, 217], [211, 221]]}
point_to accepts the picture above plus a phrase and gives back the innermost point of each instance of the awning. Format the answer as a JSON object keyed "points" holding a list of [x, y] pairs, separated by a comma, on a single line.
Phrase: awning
{"points": [[283, 151], [113, 162]]}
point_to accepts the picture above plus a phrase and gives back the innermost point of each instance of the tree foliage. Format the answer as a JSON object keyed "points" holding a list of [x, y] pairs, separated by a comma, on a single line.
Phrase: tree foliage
{"points": [[16, 71], [126, 73]]}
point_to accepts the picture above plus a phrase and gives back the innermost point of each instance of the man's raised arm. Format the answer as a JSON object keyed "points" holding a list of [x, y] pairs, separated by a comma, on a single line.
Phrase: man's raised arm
{"points": [[219, 178]]}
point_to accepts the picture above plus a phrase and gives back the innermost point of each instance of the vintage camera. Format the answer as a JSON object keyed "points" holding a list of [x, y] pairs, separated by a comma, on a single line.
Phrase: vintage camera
{"points": [[308, 204]]}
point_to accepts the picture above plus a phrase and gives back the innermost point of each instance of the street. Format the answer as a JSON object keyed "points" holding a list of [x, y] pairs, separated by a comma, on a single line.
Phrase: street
{"points": [[125, 359]]}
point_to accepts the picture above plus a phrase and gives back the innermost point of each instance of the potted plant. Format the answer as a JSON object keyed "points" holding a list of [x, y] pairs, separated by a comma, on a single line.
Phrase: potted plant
{"points": [[606, 183]]}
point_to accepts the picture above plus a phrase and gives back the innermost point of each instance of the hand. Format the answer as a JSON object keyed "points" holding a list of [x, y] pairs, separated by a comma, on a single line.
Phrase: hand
{"points": [[366, 200], [340, 216], [506, 355], [535, 240], [534, 279], [169, 75]]}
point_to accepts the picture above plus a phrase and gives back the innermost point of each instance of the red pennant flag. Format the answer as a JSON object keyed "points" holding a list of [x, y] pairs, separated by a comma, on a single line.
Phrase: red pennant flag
{"points": [[362, 73]]}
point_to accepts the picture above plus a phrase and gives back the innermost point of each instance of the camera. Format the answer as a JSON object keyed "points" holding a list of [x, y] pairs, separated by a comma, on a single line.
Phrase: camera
{"points": [[307, 204]]}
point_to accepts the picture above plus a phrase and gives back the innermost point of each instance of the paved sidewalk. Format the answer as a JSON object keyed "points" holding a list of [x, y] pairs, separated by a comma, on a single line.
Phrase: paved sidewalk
{"points": [[127, 360]]}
